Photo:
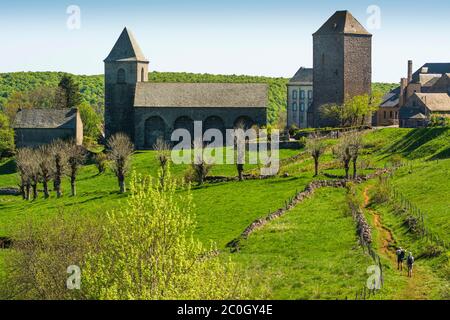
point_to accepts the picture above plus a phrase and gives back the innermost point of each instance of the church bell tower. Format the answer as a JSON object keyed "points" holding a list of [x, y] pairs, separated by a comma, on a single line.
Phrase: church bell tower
{"points": [[124, 67]]}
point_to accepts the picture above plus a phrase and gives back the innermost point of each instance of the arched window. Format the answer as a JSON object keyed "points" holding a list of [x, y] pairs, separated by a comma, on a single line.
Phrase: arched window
{"points": [[142, 75], [121, 78]]}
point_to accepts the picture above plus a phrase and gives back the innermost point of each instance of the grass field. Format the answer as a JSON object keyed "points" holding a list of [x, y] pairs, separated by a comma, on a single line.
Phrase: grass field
{"points": [[312, 251]]}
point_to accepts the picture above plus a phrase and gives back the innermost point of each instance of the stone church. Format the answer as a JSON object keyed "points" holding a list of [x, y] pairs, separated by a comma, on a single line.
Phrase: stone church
{"points": [[147, 111]]}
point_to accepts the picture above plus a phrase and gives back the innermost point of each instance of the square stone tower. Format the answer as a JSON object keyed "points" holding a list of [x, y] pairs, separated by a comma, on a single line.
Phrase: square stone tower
{"points": [[342, 63], [125, 66]]}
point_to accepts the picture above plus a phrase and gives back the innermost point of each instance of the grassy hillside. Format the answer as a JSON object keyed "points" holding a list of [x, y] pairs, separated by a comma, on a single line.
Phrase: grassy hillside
{"points": [[311, 252], [92, 89]]}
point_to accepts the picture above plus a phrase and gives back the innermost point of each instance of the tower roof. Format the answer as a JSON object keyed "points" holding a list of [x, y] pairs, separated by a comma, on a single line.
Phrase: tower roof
{"points": [[126, 49], [342, 22]]}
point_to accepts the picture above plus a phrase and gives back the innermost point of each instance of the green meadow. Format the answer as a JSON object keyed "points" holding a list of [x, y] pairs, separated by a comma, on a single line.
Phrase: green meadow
{"points": [[311, 252]]}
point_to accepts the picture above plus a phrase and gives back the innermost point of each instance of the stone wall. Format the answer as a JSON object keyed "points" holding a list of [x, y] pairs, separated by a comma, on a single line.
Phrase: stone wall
{"points": [[38, 136], [169, 115]]}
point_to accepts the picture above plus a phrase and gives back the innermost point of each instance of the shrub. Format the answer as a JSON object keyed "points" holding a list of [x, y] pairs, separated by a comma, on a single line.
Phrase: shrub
{"points": [[382, 191], [101, 161], [149, 251], [36, 268]]}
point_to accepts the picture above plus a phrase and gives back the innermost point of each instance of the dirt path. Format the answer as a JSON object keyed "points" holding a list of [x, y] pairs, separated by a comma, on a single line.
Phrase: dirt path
{"points": [[416, 287]]}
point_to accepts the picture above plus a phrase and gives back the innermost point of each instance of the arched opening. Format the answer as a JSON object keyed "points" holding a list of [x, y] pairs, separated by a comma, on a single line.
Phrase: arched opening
{"points": [[142, 75], [155, 128], [121, 77], [214, 122], [243, 122], [185, 122]]}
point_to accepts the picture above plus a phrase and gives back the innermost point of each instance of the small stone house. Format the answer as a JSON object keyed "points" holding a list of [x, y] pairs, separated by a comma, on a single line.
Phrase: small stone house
{"points": [[34, 127]]}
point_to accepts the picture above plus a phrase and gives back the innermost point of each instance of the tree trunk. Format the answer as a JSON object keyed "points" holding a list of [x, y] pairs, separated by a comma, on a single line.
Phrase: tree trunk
{"points": [[45, 185], [354, 169], [27, 191], [35, 192], [73, 186], [240, 168], [347, 169], [57, 186], [316, 167], [22, 190], [122, 184]]}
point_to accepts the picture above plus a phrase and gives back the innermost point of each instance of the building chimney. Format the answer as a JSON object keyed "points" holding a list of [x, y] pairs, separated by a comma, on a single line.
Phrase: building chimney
{"points": [[410, 68], [403, 85]]}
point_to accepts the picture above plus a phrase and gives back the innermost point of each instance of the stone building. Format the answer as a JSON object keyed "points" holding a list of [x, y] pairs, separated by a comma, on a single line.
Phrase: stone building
{"points": [[300, 97], [147, 111], [420, 95], [419, 108], [342, 63], [34, 127]]}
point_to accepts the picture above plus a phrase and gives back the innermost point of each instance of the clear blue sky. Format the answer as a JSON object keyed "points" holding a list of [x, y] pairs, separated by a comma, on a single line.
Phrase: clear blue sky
{"points": [[257, 37]]}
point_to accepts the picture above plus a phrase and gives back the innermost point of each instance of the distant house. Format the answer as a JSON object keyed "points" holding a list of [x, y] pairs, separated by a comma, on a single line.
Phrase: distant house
{"points": [[419, 96], [388, 113], [300, 97], [34, 127], [421, 106]]}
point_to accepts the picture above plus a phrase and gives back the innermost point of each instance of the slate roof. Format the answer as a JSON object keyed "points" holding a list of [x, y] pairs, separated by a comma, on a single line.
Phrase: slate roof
{"points": [[435, 101], [45, 119], [150, 94], [433, 68], [342, 22], [303, 76], [126, 49], [391, 99]]}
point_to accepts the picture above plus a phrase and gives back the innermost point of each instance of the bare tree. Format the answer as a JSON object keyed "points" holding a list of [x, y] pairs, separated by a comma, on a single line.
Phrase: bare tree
{"points": [[316, 146], [355, 149], [44, 160], [343, 153], [59, 157], [34, 172], [200, 169], [120, 151], [76, 155], [162, 149], [23, 156]]}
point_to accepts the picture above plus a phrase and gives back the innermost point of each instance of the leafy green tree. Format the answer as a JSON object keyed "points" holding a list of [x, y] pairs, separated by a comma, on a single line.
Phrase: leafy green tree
{"points": [[91, 121], [6, 136], [68, 94], [148, 251]]}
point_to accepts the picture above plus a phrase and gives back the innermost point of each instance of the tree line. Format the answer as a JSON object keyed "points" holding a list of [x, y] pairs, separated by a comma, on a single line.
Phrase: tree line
{"points": [[50, 163]]}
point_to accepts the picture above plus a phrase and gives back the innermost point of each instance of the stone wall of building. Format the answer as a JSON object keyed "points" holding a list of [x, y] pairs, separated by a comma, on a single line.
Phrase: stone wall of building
{"points": [[342, 69], [38, 136], [150, 123], [119, 95], [328, 83], [357, 65]]}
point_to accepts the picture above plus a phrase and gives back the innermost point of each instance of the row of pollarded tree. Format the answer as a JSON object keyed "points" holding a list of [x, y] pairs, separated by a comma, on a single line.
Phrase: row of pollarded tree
{"points": [[347, 151], [51, 163], [48, 163]]}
